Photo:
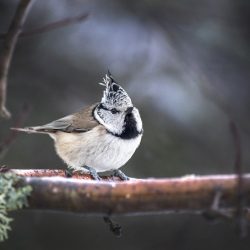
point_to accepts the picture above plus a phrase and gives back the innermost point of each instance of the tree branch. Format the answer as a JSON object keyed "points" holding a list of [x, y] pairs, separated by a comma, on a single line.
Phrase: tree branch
{"points": [[55, 25], [52, 26], [241, 222], [9, 45], [192, 194]]}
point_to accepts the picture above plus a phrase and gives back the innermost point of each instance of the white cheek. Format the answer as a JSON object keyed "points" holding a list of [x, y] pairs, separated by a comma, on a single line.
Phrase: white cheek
{"points": [[113, 123], [116, 123], [137, 118]]}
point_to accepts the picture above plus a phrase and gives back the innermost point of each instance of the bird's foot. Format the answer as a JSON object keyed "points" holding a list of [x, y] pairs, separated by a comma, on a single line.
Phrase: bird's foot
{"points": [[121, 175], [68, 172], [93, 173]]}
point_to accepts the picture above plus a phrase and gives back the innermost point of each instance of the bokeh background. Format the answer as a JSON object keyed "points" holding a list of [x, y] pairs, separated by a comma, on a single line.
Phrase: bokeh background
{"points": [[185, 65]]}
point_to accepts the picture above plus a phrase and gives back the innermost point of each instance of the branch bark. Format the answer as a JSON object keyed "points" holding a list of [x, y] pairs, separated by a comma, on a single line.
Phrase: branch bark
{"points": [[240, 221], [9, 45], [192, 194], [52, 26]]}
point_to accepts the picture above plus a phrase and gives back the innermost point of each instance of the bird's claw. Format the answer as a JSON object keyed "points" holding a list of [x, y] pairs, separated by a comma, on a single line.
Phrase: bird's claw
{"points": [[121, 175], [68, 172], [93, 173]]}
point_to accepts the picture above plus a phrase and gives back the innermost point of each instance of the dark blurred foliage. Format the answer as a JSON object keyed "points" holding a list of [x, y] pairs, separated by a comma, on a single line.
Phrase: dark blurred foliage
{"points": [[185, 65]]}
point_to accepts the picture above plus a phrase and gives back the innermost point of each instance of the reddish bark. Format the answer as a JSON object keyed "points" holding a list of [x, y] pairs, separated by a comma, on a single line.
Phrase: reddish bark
{"points": [[193, 194]]}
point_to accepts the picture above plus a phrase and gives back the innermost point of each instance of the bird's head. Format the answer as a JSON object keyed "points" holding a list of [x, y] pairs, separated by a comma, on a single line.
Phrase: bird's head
{"points": [[116, 111]]}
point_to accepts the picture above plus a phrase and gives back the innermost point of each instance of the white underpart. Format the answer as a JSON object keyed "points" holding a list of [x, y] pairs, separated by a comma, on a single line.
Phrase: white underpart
{"points": [[96, 148]]}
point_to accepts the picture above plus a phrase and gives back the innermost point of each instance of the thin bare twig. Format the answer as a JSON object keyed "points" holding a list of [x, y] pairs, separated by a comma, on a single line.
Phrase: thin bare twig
{"points": [[115, 228], [52, 26], [240, 199], [9, 45], [10, 138]]}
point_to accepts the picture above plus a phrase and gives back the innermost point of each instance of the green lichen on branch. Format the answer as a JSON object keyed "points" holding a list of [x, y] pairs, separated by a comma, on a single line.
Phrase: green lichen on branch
{"points": [[12, 198]]}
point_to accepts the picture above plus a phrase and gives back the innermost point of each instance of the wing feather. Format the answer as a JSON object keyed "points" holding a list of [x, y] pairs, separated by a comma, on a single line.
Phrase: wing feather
{"points": [[81, 121]]}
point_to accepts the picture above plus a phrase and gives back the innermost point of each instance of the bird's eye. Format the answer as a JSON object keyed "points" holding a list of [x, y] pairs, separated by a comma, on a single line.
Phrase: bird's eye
{"points": [[114, 111]]}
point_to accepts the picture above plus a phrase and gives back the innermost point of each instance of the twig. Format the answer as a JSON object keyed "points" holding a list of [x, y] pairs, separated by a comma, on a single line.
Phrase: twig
{"points": [[193, 194], [115, 228], [241, 221], [10, 138], [52, 26], [8, 48], [215, 212]]}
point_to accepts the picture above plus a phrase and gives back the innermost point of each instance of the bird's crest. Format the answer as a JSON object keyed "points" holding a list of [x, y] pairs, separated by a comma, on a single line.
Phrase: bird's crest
{"points": [[114, 96]]}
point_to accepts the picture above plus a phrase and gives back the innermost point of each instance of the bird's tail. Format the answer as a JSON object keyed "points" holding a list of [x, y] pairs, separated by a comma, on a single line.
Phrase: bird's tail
{"points": [[31, 130]]}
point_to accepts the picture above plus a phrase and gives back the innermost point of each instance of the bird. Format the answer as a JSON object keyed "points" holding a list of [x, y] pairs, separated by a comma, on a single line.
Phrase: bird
{"points": [[100, 137]]}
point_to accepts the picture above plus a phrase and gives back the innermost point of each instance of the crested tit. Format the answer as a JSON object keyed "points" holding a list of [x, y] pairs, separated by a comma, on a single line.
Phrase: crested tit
{"points": [[100, 137]]}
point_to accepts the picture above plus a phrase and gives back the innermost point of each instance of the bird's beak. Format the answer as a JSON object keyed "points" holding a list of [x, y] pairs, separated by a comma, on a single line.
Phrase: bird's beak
{"points": [[129, 110]]}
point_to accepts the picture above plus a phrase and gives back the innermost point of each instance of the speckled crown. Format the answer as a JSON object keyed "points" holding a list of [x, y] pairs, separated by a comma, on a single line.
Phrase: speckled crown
{"points": [[114, 96]]}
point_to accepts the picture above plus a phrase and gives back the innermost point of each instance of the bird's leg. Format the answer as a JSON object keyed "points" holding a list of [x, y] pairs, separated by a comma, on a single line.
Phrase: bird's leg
{"points": [[68, 172], [121, 175], [93, 173]]}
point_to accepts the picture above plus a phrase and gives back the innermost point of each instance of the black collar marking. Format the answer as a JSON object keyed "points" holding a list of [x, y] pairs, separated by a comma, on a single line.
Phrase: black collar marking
{"points": [[130, 130]]}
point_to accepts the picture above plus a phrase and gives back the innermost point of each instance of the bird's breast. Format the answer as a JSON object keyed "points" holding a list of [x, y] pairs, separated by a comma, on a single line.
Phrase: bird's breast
{"points": [[96, 148]]}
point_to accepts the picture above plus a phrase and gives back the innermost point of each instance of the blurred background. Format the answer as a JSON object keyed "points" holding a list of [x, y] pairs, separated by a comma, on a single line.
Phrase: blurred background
{"points": [[185, 65]]}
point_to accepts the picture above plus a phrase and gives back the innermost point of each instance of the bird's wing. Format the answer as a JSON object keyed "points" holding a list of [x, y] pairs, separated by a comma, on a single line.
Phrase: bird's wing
{"points": [[81, 121]]}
